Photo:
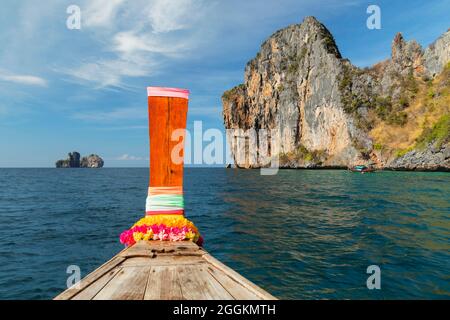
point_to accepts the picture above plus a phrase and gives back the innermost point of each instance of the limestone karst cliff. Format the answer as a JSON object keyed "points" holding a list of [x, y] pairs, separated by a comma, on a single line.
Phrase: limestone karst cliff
{"points": [[331, 113], [74, 160]]}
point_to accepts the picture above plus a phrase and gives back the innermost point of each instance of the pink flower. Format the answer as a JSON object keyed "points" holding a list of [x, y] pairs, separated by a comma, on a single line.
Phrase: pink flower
{"points": [[160, 232], [177, 236], [126, 238], [162, 235]]}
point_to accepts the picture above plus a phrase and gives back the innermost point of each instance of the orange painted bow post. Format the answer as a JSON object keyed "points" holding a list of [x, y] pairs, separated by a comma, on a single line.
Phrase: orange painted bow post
{"points": [[164, 220]]}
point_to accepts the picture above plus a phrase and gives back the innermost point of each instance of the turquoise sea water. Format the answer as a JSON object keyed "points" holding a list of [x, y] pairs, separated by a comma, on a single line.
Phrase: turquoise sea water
{"points": [[299, 234]]}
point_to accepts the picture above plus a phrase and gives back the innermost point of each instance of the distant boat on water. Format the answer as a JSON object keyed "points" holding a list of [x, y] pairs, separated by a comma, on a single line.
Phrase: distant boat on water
{"points": [[362, 169]]}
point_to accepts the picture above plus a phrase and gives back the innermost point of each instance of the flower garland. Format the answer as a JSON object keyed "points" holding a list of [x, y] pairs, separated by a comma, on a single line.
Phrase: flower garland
{"points": [[162, 228]]}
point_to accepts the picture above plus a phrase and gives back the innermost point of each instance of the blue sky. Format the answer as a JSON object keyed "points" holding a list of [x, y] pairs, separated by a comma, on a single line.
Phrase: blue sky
{"points": [[84, 90]]}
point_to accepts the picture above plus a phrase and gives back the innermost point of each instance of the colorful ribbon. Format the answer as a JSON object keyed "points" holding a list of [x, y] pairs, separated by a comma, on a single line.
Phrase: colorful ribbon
{"points": [[165, 200]]}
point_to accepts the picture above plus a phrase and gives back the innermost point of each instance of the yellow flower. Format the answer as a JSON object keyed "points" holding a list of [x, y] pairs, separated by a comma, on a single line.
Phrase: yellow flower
{"points": [[196, 237], [137, 236], [190, 235], [148, 236], [168, 220]]}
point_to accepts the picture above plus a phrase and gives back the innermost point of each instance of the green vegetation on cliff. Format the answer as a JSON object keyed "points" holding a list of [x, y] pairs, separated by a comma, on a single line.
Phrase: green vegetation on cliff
{"points": [[428, 108], [438, 134], [303, 155], [385, 108], [227, 95]]}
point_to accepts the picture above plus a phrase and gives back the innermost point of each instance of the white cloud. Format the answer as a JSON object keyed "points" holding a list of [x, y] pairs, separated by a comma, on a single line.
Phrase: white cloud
{"points": [[128, 42], [162, 15], [122, 128], [101, 13], [167, 16], [127, 157], [125, 39], [139, 37], [109, 73], [24, 79], [131, 43], [113, 115]]}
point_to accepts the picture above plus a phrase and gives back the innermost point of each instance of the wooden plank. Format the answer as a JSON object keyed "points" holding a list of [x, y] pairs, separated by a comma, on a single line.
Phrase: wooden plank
{"points": [[153, 255], [163, 284], [142, 248], [234, 288], [153, 248], [262, 294], [180, 271], [198, 284], [91, 278], [128, 284], [91, 291], [163, 260], [168, 246]]}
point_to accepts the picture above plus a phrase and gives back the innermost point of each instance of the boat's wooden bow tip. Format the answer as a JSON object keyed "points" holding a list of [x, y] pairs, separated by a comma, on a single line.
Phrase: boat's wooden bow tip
{"points": [[164, 271]]}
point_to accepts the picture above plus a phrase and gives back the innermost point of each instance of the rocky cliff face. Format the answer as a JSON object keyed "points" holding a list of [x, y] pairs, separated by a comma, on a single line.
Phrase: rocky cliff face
{"points": [[73, 161], [92, 161], [437, 55], [432, 158], [324, 107]]}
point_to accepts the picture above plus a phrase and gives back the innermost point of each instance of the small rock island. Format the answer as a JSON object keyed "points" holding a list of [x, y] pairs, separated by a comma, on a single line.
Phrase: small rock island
{"points": [[74, 160]]}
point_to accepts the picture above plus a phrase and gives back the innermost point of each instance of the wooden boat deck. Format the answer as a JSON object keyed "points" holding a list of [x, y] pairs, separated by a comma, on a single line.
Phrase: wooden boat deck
{"points": [[154, 270]]}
